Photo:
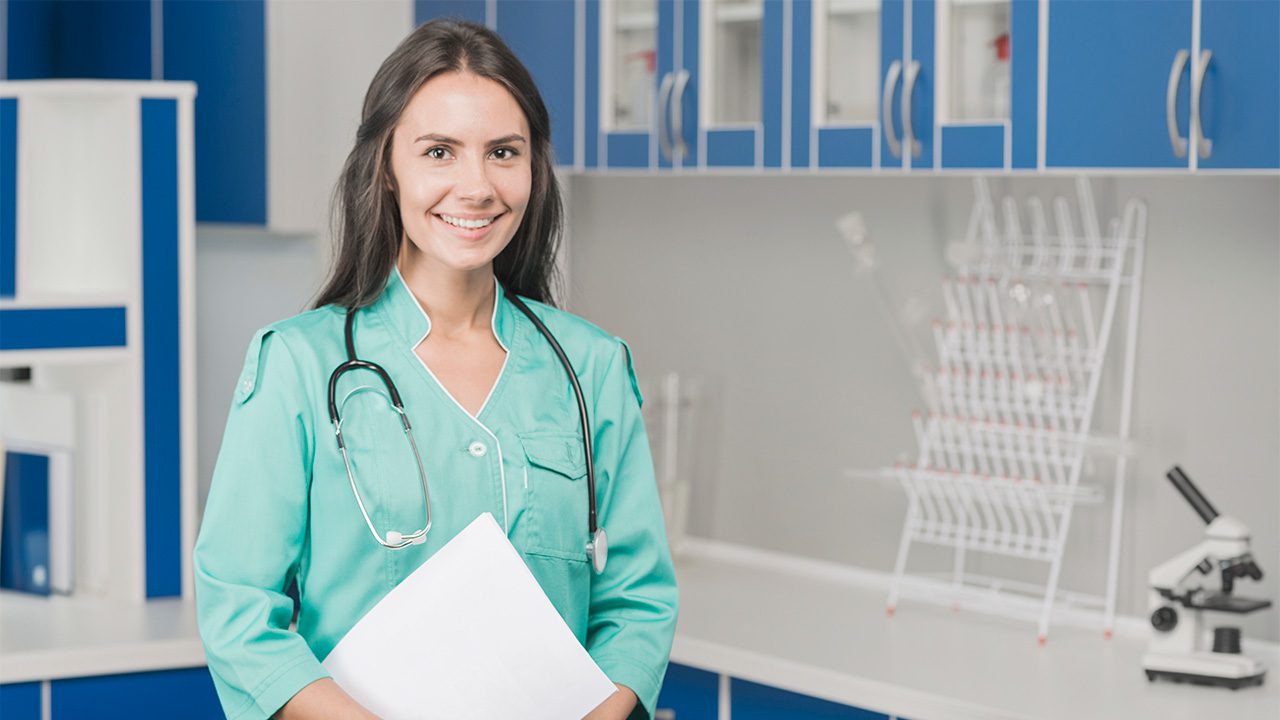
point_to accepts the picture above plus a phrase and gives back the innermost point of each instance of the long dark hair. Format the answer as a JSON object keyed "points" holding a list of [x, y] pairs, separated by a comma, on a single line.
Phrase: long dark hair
{"points": [[365, 218]]}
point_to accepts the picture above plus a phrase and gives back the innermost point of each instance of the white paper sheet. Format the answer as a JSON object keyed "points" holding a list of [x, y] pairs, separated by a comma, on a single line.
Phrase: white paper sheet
{"points": [[469, 634]]}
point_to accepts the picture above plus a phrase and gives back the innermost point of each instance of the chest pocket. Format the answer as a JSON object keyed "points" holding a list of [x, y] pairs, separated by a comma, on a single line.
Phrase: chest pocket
{"points": [[556, 476]]}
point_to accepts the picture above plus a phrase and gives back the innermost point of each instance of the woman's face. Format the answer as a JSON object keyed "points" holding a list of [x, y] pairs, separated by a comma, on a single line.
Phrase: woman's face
{"points": [[461, 159]]}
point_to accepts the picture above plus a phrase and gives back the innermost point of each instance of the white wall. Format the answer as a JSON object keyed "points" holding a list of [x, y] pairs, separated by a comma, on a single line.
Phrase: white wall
{"points": [[744, 283], [245, 279], [321, 59]]}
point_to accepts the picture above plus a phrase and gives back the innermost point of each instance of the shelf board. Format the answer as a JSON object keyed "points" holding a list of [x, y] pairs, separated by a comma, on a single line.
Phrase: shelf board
{"points": [[46, 638]]}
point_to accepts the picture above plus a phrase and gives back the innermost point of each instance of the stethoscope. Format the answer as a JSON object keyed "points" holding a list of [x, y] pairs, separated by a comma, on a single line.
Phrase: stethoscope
{"points": [[597, 545]]}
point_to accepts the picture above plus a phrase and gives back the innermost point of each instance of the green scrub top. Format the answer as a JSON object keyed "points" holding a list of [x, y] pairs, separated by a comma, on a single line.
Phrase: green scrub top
{"points": [[281, 506]]}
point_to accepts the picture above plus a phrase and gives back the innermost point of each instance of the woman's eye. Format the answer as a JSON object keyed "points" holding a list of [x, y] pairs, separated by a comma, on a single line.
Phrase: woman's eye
{"points": [[505, 153], [437, 153]]}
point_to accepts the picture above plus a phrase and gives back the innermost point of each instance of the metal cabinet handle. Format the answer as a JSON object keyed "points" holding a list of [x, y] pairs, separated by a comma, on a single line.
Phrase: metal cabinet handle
{"points": [[1171, 100], [664, 100], [1204, 146], [886, 107], [677, 114], [908, 86]]}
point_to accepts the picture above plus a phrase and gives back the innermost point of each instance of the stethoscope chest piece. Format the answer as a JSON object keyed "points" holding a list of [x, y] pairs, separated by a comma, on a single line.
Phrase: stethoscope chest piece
{"points": [[598, 550]]}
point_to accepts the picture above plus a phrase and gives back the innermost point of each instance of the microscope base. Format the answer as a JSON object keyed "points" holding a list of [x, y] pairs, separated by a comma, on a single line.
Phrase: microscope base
{"points": [[1205, 668], [1235, 683]]}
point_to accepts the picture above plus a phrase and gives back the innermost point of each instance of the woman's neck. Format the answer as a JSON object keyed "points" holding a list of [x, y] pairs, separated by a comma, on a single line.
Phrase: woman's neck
{"points": [[456, 302]]}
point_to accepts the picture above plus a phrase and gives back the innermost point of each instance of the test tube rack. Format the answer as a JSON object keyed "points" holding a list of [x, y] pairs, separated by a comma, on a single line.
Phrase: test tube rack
{"points": [[1009, 430]]}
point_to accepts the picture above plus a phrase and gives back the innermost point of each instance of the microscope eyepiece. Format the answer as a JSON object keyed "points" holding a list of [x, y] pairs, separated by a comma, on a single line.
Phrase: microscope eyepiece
{"points": [[1194, 497]]}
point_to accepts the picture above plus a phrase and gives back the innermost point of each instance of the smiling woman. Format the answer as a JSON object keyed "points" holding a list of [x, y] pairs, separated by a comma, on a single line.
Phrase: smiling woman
{"points": [[446, 213]]}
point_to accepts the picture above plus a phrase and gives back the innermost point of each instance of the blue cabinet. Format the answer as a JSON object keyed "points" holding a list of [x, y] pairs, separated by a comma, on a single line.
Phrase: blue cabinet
{"points": [[638, 82], [690, 693], [1118, 83], [678, 84], [1239, 102], [544, 36], [532, 30], [1172, 84], [752, 701], [182, 693], [20, 701], [186, 693], [914, 84]]}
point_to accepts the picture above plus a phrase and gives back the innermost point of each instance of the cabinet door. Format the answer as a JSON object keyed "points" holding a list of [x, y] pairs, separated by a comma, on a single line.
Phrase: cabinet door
{"points": [[690, 693], [187, 694], [920, 81], [21, 701], [835, 83], [893, 61], [739, 79], [751, 701], [528, 28], [1240, 93], [621, 77], [1109, 71], [986, 100]]}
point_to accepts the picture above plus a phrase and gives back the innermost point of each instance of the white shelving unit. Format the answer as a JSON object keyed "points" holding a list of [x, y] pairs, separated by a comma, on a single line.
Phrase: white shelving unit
{"points": [[1002, 449], [100, 258]]}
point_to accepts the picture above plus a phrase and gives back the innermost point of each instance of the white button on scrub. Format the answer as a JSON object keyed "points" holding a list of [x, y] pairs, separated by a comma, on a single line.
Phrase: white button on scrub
{"points": [[477, 449]]}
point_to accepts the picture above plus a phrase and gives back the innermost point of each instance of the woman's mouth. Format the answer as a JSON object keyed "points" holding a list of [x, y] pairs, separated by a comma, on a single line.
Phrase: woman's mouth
{"points": [[467, 223]]}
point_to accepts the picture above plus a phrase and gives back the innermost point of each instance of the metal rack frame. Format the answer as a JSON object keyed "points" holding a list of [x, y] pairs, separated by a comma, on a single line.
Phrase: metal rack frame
{"points": [[1003, 446]]}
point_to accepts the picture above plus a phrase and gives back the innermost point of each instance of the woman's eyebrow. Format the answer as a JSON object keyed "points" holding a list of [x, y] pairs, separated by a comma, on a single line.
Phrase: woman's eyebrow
{"points": [[435, 137], [507, 139]]}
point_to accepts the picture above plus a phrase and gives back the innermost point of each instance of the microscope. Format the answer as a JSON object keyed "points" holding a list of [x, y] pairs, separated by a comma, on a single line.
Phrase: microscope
{"points": [[1181, 593]]}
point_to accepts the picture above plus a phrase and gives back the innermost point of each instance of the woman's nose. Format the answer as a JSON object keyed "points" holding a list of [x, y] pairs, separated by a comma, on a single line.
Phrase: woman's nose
{"points": [[474, 184]]}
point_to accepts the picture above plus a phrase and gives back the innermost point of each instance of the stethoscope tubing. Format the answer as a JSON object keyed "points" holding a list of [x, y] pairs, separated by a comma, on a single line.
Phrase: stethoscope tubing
{"points": [[597, 547]]}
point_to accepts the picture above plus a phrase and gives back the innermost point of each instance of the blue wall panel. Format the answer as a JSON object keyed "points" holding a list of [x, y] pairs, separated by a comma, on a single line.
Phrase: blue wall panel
{"points": [[100, 39], [8, 196], [221, 46], [162, 347], [751, 701], [692, 693], [109, 39], [731, 148], [973, 146], [801, 77], [542, 35], [1025, 83], [30, 39], [47, 329], [473, 10], [20, 701], [845, 147], [186, 694]]}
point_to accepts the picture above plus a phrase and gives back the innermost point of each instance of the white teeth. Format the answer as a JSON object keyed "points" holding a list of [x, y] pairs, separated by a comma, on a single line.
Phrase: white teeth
{"points": [[468, 224]]}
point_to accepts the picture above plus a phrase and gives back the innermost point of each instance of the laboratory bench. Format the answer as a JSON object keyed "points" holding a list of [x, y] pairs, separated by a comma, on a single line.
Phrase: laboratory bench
{"points": [[820, 631], [762, 634]]}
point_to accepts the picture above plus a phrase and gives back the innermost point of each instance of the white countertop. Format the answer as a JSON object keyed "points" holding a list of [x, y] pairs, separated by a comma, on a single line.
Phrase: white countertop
{"points": [[59, 637], [824, 632], [802, 626]]}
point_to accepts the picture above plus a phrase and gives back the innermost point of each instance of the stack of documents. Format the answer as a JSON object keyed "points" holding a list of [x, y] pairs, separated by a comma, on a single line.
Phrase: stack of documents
{"points": [[469, 634]]}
